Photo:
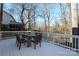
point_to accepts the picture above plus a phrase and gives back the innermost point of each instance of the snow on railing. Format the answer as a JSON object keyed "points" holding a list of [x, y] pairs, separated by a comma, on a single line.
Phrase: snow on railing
{"points": [[65, 40]]}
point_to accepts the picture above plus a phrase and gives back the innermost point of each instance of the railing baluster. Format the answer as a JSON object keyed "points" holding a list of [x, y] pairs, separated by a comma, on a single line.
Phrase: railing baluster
{"points": [[0, 35], [72, 41], [66, 41], [75, 42], [69, 43]]}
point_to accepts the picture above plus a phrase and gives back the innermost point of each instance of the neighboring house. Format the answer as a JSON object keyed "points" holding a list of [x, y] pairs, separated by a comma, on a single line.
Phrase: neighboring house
{"points": [[9, 23], [7, 18]]}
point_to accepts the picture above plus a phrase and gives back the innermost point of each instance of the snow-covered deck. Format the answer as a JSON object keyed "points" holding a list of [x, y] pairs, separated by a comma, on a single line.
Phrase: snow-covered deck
{"points": [[8, 48]]}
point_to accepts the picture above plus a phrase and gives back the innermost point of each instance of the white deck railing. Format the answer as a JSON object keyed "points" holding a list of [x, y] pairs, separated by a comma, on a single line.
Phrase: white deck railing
{"points": [[64, 40]]}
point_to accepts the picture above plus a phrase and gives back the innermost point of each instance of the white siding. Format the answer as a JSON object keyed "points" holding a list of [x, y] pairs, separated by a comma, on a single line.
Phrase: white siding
{"points": [[6, 18], [74, 15]]}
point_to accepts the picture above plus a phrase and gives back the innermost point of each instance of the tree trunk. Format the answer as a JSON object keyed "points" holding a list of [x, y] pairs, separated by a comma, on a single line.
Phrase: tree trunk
{"points": [[34, 19], [34, 24], [23, 25], [29, 21], [45, 25]]}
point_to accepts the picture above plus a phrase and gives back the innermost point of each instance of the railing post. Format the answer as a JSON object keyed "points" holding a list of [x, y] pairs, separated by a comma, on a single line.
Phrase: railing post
{"points": [[78, 44], [72, 42], [75, 43], [0, 35]]}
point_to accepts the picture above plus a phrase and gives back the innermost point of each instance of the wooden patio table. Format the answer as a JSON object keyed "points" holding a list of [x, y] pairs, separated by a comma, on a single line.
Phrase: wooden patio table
{"points": [[29, 36]]}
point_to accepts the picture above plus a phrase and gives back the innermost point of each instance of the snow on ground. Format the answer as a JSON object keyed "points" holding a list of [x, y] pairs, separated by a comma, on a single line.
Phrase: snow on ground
{"points": [[8, 48]]}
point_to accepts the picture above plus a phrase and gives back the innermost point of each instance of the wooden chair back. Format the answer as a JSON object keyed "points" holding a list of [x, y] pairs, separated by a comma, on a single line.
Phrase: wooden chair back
{"points": [[38, 37]]}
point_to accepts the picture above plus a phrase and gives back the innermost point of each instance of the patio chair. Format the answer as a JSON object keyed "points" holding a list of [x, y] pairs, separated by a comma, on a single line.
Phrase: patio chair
{"points": [[20, 40], [37, 39]]}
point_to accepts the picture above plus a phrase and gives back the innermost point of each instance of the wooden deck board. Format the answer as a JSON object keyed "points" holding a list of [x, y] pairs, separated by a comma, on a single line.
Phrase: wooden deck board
{"points": [[8, 48]]}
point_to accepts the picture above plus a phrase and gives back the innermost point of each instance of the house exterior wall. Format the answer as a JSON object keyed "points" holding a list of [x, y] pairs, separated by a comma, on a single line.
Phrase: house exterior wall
{"points": [[6, 18], [74, 15]]}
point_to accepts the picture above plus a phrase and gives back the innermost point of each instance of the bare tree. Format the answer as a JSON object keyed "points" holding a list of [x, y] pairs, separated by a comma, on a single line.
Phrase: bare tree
{"points": [[43, 15], [34, 16], [31, 15], [47, 16], [65, 17]]}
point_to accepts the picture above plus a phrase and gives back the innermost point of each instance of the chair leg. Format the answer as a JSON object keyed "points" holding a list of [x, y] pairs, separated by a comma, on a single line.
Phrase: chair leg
{"points": [[34, 46], [19, 46], [16, 41], [24, 43], [40, 44]]}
